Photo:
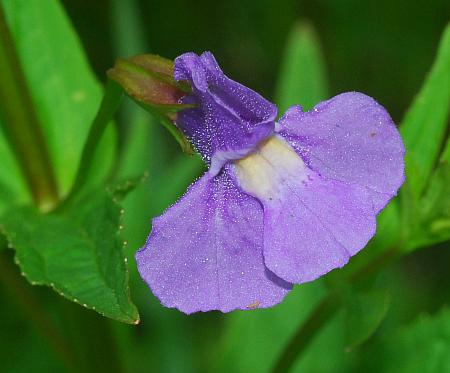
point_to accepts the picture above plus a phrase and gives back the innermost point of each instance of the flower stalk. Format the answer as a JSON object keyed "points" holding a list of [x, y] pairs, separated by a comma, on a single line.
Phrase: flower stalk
{"points": [[325, 310], [108, 107]]}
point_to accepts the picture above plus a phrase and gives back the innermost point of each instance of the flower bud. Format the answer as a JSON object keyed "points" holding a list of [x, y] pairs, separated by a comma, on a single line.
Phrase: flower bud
{"points": [[148, 79]]}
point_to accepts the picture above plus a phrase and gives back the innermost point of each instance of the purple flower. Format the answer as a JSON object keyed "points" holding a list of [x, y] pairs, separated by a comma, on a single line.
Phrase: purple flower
{"points": [[281, 203]]}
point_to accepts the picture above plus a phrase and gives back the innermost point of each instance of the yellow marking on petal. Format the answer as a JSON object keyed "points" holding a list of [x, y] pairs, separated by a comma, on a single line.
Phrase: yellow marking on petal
{"points": [[262, 173], [253, 305]]}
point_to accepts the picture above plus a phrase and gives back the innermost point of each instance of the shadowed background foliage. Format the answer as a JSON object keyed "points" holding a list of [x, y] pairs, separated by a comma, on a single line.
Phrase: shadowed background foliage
{"points": [[383, 49]]}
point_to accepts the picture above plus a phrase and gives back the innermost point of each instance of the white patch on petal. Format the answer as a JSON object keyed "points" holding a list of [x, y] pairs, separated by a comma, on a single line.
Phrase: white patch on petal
{"points": [[262, 173], [221, 157]]}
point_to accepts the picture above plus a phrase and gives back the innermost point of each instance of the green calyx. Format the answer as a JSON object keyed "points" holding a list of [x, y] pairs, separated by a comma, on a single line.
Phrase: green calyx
{"points": [[148, 80]]}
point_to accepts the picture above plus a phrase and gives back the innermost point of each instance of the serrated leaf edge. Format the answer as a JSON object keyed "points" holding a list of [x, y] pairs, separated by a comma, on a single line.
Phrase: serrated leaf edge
{"points": [[134, 321]]}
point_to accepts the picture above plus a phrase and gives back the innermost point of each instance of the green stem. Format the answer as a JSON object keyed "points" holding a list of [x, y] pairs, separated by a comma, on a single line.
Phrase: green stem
{"points": [[324, 311], [317, 319], [110, 102], [31, 307], [93, 342], [21, 124]]}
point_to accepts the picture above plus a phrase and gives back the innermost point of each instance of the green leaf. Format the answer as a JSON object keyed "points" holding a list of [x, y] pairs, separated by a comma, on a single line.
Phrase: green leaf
{"points": [[21, 126], [363, 313], [302, 78], [423, 346], [424, 126], [78, 253], [434, 225], [64, 90]]}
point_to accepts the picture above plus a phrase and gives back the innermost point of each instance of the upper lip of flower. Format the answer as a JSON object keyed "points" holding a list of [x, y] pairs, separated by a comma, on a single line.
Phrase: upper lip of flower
{"points": [[229, 120]]}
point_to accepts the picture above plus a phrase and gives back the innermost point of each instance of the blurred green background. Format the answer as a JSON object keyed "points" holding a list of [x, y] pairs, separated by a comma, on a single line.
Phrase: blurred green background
{"points": [[383, 49]]}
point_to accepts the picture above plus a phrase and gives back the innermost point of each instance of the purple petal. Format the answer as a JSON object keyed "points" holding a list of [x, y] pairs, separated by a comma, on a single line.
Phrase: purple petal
{"points": [[315, 228], [229, 119], [205, 252], [311, 224], [350, 138]]}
